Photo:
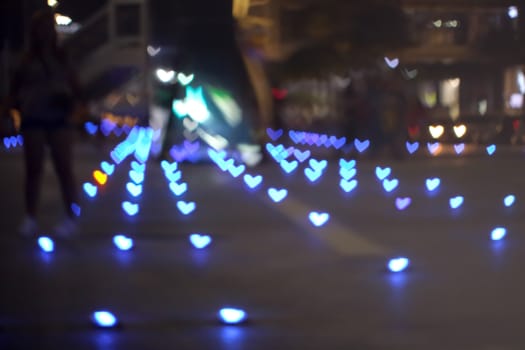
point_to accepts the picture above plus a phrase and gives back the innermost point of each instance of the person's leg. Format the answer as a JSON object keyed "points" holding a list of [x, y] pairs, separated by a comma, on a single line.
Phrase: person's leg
{"points": [[34, 144], [60, 142]]}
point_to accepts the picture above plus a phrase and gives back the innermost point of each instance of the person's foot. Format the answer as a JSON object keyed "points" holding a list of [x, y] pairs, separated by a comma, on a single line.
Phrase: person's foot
{"points": [[28, 227], [65, 228]]}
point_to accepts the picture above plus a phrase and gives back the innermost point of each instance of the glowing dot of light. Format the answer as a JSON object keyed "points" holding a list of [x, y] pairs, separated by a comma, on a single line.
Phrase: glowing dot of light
{"points": [[122, 242], [46, 244], [104, 319], [498, 233], [200, 241], [232, 315], [398, 264]]}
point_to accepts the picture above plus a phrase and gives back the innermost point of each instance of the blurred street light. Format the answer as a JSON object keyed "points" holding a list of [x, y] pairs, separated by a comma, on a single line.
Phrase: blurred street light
{"points": [[62, 20]]}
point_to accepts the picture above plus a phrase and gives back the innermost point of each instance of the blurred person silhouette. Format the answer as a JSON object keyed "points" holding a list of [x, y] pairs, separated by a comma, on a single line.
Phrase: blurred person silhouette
{"points": [[390, 130], [44, 89]]}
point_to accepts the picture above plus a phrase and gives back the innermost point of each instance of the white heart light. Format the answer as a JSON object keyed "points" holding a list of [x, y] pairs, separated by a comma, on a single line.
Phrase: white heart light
{"points": [[436, 131], [392, 63], [460, 130]]}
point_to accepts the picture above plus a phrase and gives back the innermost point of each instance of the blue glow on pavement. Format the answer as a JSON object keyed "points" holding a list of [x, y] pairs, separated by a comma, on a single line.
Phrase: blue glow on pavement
{"points": [[398, 264], [130, 208], [382, 173], [318, 219], [108, 168], [122, 242], [456, 202], [498, 233], [200, 241], [277, 195], [104, 319], [509, 200], [232, 315], [46, 244], [90, 189], [433, 183]]}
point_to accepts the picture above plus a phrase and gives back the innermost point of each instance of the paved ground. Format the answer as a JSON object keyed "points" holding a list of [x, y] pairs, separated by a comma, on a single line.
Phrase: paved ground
{"points": [[303, 287]]}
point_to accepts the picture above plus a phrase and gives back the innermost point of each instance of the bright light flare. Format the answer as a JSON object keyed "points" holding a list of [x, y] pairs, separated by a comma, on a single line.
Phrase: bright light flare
{"points": [[122, 242], [232, 315], [165, 75], [46, 244], [513, 12], [104, 319], [62, 20], [498, 233], [398, 264]]}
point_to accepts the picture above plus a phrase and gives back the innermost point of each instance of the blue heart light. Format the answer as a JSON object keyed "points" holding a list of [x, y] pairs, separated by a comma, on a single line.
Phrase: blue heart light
{"points": [[107, 167], [122, 242], [301, 156], [231, 315], [186, 208], [289, 166], [75, 208], [90, 189], [412, 147], [252, 181], [274, 134], [337, 143], [177, 188], [20, 140], [390, 185], [491, 149], [398, 264], [509, 200], [403, 203], [46, 244], [347, 174], [90, 128], [318, 219], [235, 171], [347, 164], [130, 208], [168, 167], [432, 183], [498, 233], [321, 140], [433, 147], [134, 189], [382, 173], [225, 164], [347, 186], [104, 319], [7, 142], [138, 167], [317, 165], [216, 155], [173, 177], [312, 175], [277, 195], [136, 176], [200, 241], [459, 148], [361, 146], [456, 202], [277, 152]]}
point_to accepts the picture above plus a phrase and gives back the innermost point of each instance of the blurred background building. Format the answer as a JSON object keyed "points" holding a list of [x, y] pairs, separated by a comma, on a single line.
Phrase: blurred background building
{"points": [[463, 59]]}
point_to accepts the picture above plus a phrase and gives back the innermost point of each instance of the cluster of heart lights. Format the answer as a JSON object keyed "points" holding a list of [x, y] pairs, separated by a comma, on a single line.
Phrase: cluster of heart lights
{"points": [[347, 171], [13, 141]]}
